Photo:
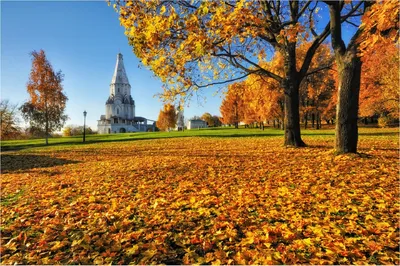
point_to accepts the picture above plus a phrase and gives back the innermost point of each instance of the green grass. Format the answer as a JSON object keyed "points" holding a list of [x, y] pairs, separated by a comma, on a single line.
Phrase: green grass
{"points": [[211, 132], [11, 198]]}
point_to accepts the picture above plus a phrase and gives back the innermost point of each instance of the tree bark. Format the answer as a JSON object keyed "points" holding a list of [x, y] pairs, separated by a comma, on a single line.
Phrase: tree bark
{"points": [[347, 107], [312, 120], [47, 120], [349, 76], [305, 120], [292, 119], [292, 101]]}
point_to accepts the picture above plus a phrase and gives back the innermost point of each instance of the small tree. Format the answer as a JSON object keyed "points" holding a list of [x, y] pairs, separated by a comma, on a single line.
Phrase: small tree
{"points": [[167, 117], [232, 108], [208, 118], [8, 120], [216, 121], [45, 108]]}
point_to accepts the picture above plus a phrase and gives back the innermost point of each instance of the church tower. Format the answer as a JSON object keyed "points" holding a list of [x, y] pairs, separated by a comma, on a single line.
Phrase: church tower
{"points": [[120, 106], [120, 103]]}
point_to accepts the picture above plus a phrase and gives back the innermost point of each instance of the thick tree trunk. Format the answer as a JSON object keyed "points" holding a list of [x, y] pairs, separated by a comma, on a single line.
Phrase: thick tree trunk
{"points": [[291, 86], [347, 104], [292, 116], [349, 75]]}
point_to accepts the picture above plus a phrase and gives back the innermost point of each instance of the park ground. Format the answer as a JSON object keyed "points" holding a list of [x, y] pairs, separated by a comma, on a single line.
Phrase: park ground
{"points": [[224, 196]]}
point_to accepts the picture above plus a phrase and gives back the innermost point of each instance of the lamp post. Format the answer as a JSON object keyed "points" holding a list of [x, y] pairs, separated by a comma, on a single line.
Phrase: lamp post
{"points": [[84, 124]]}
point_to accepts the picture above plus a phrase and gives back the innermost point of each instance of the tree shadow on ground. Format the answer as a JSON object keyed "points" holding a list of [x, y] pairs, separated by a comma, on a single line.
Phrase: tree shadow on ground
{"points": [[13, 162]]}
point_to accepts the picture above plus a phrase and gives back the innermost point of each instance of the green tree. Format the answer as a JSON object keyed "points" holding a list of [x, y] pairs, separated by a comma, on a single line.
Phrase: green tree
{"points": [[216, 121]]}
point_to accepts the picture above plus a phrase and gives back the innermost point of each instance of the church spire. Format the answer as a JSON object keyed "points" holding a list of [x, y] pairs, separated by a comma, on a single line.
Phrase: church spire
{"points": [[119, 76]]}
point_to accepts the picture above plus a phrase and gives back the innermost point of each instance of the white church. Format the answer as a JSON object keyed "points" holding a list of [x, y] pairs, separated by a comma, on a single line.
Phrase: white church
{"points": [[120, 106]]}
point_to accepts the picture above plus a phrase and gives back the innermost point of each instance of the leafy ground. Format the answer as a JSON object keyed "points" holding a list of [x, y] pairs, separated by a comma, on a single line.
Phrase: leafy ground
{"points": [[207, 200]]}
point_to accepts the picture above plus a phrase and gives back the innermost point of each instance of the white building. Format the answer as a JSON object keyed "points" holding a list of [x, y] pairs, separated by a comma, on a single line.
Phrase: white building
{"points": [[196, 123], [120, 106]]}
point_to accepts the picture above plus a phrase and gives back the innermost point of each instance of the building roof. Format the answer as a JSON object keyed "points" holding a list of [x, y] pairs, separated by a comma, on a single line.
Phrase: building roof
{"points": [[197, 120], [119, 72]]}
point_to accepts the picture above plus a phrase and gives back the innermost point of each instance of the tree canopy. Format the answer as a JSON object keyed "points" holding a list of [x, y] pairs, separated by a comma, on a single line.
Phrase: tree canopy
{"points": [[167, 117]]}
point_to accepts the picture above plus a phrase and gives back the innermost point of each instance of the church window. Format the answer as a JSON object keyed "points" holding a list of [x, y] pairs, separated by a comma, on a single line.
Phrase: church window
{"points": [[117, 111], [118, 89], [115, 120]]}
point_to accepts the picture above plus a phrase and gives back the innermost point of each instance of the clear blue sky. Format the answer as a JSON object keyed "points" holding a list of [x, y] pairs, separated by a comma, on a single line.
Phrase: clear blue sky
{"points": [[82, 39]]}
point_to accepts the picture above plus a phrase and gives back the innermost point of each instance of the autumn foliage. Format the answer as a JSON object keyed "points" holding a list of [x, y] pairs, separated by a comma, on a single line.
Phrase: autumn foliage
{"points": [[167, 117], [45, 108], [379, 94], [197, 44], [232, 109], [178, 201], [381, 25], [260, 99]]}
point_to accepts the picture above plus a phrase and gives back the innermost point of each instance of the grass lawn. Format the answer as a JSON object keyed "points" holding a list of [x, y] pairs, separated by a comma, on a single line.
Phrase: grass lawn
{"points": [[223, 196]]}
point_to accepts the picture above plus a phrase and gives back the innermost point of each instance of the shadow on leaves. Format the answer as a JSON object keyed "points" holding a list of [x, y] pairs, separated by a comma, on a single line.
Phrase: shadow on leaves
{"points": [[12, 162]]}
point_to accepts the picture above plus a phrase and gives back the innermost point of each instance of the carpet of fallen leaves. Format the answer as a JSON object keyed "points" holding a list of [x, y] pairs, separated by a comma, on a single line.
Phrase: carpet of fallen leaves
{"points": [[202, 200]]}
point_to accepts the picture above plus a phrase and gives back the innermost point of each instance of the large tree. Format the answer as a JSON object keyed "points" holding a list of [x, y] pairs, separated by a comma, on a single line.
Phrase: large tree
{"points": [[45, 108], [348, 63], [195, 44], [380, 21]]}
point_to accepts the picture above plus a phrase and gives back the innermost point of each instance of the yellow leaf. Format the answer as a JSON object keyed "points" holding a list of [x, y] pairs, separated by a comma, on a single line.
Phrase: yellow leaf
{"points": [[58, 245], [133, 250], [92, 199], [113, 204], [307, 241], [162, 10]]}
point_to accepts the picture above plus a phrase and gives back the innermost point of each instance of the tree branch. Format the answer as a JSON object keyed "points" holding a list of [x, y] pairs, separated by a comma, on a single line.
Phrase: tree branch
{"points": [[225, 81], [335, 25], [313, 48], [318, 70]]}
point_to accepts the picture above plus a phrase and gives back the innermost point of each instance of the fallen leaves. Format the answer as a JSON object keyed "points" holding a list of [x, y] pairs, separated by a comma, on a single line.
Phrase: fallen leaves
{"points": [[204, 200]]}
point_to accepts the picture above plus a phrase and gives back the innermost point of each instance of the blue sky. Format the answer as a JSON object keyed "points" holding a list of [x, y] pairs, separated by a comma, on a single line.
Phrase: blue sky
{"points": [[82, 39]]}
